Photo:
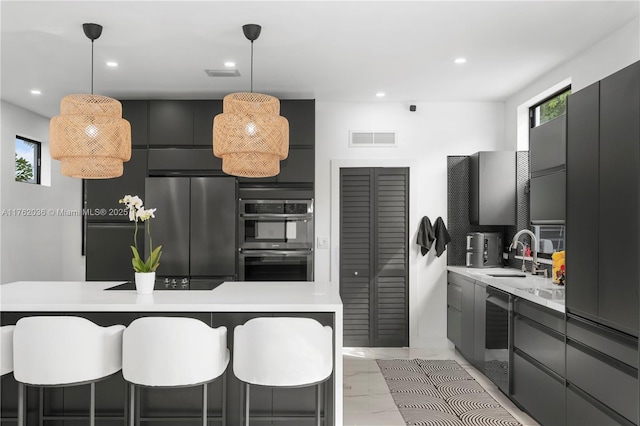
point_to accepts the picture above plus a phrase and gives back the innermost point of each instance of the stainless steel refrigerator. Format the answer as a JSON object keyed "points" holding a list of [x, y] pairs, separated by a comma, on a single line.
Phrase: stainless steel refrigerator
{"points": [[195, 222]]}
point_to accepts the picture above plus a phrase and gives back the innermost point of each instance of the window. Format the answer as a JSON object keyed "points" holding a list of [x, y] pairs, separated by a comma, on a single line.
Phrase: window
{"points": [[550, 239], [552, 107], [27, 160]]}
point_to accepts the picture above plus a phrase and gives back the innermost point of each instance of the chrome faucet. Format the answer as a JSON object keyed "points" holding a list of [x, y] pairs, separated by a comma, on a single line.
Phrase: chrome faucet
{"points": [[534, 252]]}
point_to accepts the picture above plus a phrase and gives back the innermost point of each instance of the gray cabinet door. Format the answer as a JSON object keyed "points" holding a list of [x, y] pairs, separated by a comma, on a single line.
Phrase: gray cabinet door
{"points": [[548, 198], [547, 145], [618, 274], [108, 255], [583, 111], [492, 188], [171, 123], [137, 114], [373, 256]]}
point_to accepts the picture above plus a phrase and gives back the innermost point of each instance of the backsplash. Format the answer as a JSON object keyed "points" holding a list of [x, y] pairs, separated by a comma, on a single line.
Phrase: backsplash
{"points": [[458, 210]]}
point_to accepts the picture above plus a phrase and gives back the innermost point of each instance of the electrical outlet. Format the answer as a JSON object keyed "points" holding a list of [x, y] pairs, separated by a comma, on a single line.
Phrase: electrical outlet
{"points": [[323, 243]]}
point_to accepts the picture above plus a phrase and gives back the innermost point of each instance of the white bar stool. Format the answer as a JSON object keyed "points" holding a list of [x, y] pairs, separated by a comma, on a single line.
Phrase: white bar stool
{"points": [[63, 351], [282, 352], [151, 347], [6, 356]]}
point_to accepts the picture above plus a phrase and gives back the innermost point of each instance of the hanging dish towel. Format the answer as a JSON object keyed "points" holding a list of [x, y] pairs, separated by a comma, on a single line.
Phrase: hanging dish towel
{"points": [[442, 236], [426, 235]]}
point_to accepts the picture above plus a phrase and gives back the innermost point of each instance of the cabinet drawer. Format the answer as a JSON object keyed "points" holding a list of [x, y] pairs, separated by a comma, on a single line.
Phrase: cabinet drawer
{"points": [[610, 342], [459, 280], [582, 411], [183, 159], [608, 381], [545, 316], [454, 326], [539, 393], [454, 296], [540, 343]]}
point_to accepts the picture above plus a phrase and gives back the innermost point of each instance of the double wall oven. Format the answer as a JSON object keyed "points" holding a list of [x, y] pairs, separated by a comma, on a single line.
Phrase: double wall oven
{"points": [[275, 239]]}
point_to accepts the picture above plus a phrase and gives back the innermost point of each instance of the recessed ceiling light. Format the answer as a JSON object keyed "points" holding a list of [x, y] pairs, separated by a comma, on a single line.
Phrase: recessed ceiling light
{"points": [[229, 64], [112, 64], [460, 60], [380, 94], [36, 92]]}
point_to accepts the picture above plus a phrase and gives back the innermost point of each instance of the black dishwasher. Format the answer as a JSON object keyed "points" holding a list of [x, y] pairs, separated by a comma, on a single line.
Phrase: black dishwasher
{"points": [[498, 338]]}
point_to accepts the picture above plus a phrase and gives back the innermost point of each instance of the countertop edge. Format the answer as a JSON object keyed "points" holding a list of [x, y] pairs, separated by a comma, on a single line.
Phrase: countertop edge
{"points": [[512, 285]]}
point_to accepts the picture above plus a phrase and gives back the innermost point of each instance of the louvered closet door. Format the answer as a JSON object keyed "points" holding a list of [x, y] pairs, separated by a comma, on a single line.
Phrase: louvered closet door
{"points": [[373, 256]]}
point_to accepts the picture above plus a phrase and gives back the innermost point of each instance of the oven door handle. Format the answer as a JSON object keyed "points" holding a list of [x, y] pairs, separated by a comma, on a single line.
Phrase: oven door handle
{"points": [[275, 216], [275, 252], [498, 301]]}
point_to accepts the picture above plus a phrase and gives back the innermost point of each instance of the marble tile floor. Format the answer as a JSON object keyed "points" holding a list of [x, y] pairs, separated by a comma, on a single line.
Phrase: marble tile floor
{"points": [[367, 401]]}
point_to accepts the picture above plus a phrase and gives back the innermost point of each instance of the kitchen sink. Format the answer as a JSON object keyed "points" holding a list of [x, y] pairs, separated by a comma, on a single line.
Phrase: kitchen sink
{"points": [[507, 275]]}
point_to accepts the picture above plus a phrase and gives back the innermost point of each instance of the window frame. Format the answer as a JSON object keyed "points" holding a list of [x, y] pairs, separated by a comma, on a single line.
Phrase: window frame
{"points": [[38, 159], [532, 109]]}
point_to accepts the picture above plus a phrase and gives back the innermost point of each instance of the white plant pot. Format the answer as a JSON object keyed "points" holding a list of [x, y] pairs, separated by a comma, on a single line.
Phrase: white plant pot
{"points": [[145, 282]]}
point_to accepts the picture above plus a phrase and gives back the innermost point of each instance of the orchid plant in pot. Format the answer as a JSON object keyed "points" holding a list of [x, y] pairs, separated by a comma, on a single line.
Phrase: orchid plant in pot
{"points": [[145, 270]]}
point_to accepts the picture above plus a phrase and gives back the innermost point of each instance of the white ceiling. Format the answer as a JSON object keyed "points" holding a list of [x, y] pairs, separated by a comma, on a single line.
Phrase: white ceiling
{"points": [[327, 50]]}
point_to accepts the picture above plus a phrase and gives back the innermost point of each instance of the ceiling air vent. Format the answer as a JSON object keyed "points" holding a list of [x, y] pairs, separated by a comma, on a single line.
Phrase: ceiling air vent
{"points": [[223, 73], [369, 139]]}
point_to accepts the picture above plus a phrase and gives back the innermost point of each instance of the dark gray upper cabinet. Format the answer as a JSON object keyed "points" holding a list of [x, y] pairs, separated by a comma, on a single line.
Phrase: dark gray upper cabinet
{"points": [[203, 113], [171, 123], [492, 188], [137, 114], [583, 130], [301, 115], [547, 198], [299, 167], [618, 198], [547, 146], [105, 193]]}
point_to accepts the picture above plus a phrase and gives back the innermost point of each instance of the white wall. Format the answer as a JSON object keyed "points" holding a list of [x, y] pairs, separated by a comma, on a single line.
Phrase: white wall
{"points": [[37, 247], [425, 139], [618, 50]]}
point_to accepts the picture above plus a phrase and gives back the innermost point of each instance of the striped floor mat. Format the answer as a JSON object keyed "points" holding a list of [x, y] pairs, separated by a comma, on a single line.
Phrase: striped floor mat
{"points": [[441, 393]]}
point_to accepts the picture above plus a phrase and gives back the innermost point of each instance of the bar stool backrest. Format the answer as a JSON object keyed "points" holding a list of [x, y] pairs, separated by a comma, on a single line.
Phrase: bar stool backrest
{"points": [[282, 351], [59, 350], [6, 349], [173, 351]]}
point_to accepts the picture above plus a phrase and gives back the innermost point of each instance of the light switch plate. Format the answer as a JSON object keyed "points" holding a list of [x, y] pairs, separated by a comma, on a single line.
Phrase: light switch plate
{"points": [[323, 243]]}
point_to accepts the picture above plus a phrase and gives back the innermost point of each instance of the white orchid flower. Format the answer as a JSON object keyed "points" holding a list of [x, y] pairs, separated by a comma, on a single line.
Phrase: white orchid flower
{"points": [[132, 214], [136, 202]]}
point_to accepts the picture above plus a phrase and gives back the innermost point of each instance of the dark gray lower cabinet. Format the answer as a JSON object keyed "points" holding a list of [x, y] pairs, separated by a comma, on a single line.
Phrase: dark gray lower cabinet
{"points": [[538, 382], [539, 391], [583, 410]]}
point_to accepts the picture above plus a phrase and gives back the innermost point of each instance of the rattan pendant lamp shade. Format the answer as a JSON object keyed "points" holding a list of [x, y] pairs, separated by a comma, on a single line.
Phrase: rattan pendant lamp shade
{"points": [[90, 137], [250, 135]]}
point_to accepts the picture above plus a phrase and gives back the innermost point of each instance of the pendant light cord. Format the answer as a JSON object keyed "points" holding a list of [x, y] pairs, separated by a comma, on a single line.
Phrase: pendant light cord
{"points": [[251, 66], [92, 67]]}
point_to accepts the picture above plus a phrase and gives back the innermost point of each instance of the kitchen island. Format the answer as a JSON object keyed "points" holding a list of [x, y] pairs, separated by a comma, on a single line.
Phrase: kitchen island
{"points": [[230, 304]]}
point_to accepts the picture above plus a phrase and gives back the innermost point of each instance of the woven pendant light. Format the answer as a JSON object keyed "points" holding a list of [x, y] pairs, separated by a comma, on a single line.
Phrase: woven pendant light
{"points": [[250, 135], [90, 137]]}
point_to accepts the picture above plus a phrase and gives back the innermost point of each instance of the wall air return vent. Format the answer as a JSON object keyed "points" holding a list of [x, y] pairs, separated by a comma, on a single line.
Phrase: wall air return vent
{"points": [[223, 73], [375, 139]]}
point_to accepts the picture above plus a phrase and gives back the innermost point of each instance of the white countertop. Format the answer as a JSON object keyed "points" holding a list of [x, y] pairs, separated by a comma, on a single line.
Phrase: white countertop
{"points": [[537, 289], [233, 296]]}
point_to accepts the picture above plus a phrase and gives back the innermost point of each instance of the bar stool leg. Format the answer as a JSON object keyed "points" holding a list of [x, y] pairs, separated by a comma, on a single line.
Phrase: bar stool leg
{"points": [[318, 390], [41, 406], [204, 404], [132, 407], [224, 398], [92, 413], [21, 396], [247, 403]]}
